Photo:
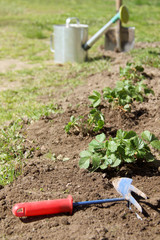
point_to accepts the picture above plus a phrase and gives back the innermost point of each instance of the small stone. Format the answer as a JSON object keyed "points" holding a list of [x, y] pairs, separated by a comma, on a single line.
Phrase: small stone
{"points": [[104, 175], [38, 153], [56, 224], [60, 157], [65, 221]]}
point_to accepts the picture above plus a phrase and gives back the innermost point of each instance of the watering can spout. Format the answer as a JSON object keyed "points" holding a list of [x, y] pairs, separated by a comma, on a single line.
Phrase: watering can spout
{"points": [[123, 15]]}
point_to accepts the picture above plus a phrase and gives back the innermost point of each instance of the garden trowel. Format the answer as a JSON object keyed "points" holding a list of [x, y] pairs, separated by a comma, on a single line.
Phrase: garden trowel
{"points": [[122, 185]]}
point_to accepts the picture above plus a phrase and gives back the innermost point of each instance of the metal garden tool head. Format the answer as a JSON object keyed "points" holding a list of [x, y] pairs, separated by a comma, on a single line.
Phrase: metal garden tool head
{"points": [[124, 187]]}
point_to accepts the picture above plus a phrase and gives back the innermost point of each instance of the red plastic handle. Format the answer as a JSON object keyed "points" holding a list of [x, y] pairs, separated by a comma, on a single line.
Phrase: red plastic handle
{"points": [[43, 207]]}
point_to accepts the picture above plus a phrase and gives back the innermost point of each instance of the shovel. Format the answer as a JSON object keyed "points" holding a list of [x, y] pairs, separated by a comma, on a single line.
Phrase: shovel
{"points": [[119, 38], [122, 185]]}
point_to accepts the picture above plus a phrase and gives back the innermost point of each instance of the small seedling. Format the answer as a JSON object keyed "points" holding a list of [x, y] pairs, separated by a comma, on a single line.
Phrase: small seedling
{"points": [[92, 123], [74, 123], [126, 147], [95, 120]]}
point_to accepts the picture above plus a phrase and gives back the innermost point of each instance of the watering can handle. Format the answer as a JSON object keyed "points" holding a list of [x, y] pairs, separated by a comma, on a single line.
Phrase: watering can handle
{"points": [[51, 43], [71, 18]]}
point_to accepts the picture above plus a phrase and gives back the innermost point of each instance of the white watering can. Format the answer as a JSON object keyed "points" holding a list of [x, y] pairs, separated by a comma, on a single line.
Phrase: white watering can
{"points": [[71, 40]]}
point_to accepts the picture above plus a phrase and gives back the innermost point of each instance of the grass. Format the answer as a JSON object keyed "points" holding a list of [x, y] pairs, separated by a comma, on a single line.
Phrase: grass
{"points": [[148, 56], [28, 92]]}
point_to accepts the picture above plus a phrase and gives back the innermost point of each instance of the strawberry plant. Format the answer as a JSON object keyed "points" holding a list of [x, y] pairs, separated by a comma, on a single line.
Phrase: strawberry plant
{"points": [[132, 72], [131, 88], [94, 122], [125, 93], [126, 147]]}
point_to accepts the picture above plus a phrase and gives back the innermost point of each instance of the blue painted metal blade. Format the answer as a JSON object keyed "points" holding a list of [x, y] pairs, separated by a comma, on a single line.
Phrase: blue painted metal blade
{"points": [[135, 203], [123, 186], [75, 204]]}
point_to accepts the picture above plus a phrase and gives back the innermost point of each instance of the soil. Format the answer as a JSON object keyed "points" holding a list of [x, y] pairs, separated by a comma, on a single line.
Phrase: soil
{"points": [[46, 178]]}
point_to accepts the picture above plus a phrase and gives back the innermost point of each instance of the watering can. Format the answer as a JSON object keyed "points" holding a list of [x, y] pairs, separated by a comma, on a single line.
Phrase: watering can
{"points": [[71, 40]]}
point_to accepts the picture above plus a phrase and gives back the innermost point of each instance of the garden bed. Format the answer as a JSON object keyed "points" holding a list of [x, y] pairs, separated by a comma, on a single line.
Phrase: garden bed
{"points": [[52, 170]]}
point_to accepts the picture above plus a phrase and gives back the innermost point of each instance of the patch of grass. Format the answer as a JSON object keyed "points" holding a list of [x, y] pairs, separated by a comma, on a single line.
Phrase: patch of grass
{"points": [[148, 56], [40, 83], [11, 152], [28, 101]]}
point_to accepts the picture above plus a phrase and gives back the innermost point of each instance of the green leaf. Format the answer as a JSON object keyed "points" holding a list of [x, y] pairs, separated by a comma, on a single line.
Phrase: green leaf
{"points": [[129, 150], [95, 98], [112, 146], [130, 135], [114, 159], [141, 153], [156, 144], [84, 163], [84, 154], [149, 157], [120, 134], [96, 145], [148, 91], [103, 166], [149, 137], [96, 160], [119, 85], [101, 137], [116, 163], [138, 143], [127, 107], [146, 135], [107, 161], [99, 125], [129, 160]]}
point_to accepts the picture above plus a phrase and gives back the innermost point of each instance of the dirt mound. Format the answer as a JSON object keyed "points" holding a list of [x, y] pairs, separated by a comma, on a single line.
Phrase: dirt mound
{"points": [[52, 172]]}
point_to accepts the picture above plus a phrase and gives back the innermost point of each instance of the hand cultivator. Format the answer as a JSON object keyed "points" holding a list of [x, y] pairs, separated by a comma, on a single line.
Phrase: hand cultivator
{"points": [[122, 185]]}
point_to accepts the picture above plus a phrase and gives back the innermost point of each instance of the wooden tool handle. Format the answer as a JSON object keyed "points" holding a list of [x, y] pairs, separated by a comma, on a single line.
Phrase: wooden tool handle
{"points": [[118, 28]]}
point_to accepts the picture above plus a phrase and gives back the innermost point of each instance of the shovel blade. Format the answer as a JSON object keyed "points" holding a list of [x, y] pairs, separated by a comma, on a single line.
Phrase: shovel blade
{"points": [[127, 39]]}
